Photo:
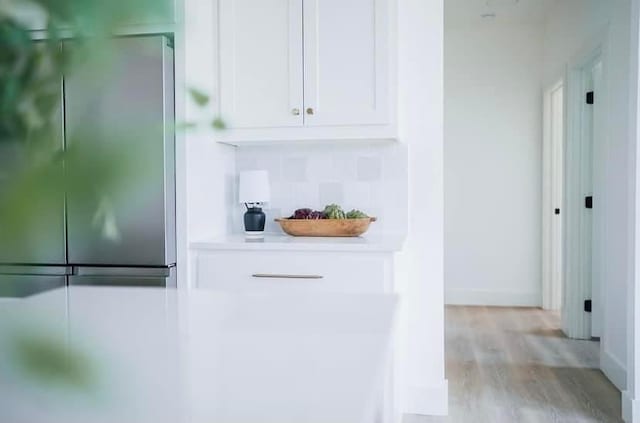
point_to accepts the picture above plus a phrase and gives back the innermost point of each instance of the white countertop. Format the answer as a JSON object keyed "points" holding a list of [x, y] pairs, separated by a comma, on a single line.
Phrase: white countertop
{"points": [[154, 355], [290, 243]]}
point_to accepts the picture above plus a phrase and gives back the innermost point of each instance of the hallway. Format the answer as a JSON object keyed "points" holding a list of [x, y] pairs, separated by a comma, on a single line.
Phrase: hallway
{"points": [[515, 365]]}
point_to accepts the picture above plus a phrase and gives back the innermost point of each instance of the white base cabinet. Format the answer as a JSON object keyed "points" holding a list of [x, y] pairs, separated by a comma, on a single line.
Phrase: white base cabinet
{"points": [[283, 272]]}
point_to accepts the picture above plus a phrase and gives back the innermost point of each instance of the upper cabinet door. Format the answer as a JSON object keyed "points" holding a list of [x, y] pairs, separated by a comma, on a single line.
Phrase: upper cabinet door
{"points": [[346, 57], [261, 65]]}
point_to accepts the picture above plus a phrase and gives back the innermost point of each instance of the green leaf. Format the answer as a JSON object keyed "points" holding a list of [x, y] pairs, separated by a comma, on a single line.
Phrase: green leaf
{"points": [[218, 123], [200, 98], [186, 125]]}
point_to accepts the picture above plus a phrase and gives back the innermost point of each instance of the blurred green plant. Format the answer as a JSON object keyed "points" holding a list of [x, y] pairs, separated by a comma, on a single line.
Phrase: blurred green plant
{"points": [[31, 70], [201, 99], [49, 360], [36, 169]]}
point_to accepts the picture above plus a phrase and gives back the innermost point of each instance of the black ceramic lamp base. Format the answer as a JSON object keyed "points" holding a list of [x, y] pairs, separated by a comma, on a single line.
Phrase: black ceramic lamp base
{"points": [[254, 220]]}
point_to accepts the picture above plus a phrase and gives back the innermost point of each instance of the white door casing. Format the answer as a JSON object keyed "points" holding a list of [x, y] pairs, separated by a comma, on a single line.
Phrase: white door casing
{"points": [[631, 396], [598, 187]]}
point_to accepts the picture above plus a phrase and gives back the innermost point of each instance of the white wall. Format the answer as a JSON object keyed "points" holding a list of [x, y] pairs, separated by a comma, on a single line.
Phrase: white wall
{"points": [[420, 266], [365, 176], [207, 171], [574, 28], [493, 150]]}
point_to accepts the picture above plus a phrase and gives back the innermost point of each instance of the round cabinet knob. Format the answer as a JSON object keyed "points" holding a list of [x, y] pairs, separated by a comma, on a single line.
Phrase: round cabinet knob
{"points": [[295, 112], [310, 111]]}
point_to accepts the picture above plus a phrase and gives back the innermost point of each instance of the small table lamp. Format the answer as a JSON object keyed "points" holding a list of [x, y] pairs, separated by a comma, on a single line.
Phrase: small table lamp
{"points": [[253, 192]]}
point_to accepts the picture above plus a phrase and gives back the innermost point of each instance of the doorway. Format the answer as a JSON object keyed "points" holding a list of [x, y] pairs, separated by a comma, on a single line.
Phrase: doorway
{"points": [[553, 197], [582, 305]]}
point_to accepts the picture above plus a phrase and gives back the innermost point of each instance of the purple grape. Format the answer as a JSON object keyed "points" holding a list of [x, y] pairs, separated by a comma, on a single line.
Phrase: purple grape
{"points": [[301, 214], [317, 215]]}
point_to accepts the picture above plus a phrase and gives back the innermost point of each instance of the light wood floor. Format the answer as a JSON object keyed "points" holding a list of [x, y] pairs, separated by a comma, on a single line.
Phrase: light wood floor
{"points": [[515, 365]]}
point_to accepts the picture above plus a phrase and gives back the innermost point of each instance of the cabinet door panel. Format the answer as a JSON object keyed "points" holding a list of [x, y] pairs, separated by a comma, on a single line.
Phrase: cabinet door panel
{"points": [[346, 62], [261, 63]]}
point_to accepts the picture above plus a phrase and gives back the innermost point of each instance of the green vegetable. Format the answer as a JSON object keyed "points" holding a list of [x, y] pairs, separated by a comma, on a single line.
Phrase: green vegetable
{"points": [[356, 214], [334, 211]]}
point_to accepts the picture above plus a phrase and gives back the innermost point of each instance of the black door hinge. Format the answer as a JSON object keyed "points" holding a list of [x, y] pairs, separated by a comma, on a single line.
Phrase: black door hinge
{"points": [[588, 202], [557, 211], [590, 97], [587, 306]]}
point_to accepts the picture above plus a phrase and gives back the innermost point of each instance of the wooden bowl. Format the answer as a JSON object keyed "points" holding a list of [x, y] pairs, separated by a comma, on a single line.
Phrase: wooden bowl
{"points": [[326, 227]]}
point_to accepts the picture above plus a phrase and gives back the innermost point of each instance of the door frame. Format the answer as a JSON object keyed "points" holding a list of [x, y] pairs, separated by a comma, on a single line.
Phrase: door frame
{"points": [[631, 396], [553, 179], [576, 323]]}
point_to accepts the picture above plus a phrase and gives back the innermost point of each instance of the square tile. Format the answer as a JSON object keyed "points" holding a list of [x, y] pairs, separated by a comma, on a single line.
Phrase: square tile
{"points": [[357, 195], [294, 169], [369, 168], [344, 166], [331, 193]]}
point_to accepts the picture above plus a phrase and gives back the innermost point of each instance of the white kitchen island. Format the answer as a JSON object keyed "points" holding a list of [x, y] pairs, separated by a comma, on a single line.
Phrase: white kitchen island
{"points": [[153, 355]]}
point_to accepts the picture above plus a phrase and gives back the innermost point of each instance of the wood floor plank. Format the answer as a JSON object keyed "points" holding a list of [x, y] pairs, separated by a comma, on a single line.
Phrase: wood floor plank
{"points": [[515, 365]]}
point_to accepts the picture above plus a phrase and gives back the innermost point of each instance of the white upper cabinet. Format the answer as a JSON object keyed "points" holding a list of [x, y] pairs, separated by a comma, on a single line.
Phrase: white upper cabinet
{"points": [[261, 65], [305, 70], [346, 62]]}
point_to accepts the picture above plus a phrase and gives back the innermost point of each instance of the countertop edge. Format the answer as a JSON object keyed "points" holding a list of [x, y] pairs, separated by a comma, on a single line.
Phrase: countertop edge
{"points": [[238, 243]]}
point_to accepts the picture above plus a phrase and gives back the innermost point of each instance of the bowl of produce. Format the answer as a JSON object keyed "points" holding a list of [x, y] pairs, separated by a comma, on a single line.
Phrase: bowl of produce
{"points": [[330, 222]]}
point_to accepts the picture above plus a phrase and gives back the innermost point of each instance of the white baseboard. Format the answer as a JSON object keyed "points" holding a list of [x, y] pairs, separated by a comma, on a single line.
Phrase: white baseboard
{"points": [[427, 400], [492, 298], [630, 408], [613, 369]]}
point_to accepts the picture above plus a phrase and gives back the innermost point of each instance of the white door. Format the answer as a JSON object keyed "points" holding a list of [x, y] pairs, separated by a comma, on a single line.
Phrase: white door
{"points": [[592, 127], [261, 64], [586, 186], [346, 56], [553, 197], [585, 201]]}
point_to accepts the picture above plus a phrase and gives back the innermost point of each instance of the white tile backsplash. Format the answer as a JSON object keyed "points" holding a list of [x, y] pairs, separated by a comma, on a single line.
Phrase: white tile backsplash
{"points": [[358, 196], [294, 169], [331, 193], [369, 168], [371, 177]]}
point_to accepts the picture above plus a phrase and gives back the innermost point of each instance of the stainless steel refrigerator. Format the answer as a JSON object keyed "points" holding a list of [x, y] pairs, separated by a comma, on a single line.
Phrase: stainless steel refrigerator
{"points": [[125, 234]]}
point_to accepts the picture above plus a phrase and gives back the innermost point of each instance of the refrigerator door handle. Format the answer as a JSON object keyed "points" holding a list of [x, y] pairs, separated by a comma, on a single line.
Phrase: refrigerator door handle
{"points": [[122, 271]]}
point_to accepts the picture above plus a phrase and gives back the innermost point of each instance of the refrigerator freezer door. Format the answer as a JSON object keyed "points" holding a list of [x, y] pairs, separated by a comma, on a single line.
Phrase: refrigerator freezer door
{"points": [[20, 286], [164, 277], [119, 126]]}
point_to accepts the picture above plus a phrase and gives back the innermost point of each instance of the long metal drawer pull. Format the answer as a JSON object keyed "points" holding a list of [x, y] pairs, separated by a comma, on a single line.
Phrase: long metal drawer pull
{"points": [[277, 276]]}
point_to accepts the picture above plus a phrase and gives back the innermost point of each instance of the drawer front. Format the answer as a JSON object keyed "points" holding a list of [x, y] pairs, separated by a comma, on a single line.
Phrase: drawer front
{"points": [[285, 272]]}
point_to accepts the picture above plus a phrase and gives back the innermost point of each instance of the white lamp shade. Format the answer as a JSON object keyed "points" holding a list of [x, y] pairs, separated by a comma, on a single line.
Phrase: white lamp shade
{"points": [[254, 187]]}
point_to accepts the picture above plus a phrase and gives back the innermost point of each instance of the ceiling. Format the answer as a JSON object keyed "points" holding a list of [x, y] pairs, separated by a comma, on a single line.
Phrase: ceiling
{"points": [[505, 11]]}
